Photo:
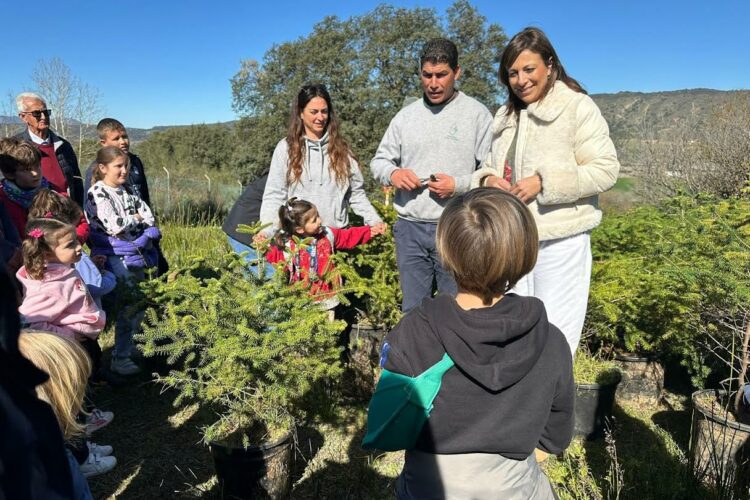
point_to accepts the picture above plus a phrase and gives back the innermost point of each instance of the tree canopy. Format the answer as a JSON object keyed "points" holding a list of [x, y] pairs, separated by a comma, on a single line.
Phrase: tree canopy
{"points": [[370, 64]]}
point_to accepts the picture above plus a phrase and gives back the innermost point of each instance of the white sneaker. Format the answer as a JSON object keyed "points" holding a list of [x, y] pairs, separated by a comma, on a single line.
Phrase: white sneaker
{"points": [[97, 464], [103, 450], [98, 419], [124, 366]]}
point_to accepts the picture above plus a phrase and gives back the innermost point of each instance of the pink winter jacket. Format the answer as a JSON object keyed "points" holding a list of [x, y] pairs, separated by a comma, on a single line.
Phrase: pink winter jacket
{"points": [[60, 303]]}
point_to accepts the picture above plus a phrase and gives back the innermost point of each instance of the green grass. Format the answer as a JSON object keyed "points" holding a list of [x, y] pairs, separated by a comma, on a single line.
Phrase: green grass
{"points": [[624, 185]]}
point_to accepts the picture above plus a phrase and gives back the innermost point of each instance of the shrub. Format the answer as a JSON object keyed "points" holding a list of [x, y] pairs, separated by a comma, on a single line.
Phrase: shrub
{"points": [[672, 280], [251, 350], [371, 274]]}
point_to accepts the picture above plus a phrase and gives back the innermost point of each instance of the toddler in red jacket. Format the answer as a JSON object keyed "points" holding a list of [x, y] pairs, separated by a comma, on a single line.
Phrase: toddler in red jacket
{"points": [[312, 262]]}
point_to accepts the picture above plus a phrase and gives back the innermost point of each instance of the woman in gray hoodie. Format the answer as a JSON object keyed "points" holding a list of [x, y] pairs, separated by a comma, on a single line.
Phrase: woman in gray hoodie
{"points": [[314, 163]]}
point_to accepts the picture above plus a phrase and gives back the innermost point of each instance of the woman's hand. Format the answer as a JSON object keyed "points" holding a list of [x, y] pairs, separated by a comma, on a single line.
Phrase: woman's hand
{"points": [[496, 182], [527, 188], [379, 228]]}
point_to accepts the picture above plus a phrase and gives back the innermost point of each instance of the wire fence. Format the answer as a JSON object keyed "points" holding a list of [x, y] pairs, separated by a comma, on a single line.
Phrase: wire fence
{"points": [[192, 200]]}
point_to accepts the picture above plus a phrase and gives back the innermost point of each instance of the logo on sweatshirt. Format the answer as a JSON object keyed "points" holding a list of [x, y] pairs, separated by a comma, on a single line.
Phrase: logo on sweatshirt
{"points": [[452, 133]]}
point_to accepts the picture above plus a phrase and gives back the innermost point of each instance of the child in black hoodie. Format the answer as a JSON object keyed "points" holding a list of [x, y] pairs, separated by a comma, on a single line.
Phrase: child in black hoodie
{"points": [[511, 389]]}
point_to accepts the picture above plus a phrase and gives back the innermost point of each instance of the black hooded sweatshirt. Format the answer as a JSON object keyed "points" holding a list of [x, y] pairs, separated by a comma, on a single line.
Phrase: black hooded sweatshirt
{"points": [[512, 387]]}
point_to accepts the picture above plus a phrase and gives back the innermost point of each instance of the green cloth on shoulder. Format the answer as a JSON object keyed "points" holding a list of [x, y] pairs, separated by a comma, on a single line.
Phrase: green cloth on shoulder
{"points": [[401, 405]]}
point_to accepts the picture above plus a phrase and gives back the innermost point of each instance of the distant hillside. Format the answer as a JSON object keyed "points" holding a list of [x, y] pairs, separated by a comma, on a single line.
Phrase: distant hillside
{"points": [[665, 112], [633, 117], [10, 125]]}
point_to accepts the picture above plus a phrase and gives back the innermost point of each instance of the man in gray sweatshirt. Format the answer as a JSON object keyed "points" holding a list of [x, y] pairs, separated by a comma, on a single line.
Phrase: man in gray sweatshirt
{"points": [[428, 154]]}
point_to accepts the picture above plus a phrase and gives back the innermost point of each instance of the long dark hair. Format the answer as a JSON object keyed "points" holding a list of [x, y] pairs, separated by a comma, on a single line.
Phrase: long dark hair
{"points": [[536, 41], [339, 153]]}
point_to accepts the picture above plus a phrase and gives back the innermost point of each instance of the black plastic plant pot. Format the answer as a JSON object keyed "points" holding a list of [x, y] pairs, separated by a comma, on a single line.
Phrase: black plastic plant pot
{"points": [[719, 445], [255, 472], [641, 376], [593, 408]]}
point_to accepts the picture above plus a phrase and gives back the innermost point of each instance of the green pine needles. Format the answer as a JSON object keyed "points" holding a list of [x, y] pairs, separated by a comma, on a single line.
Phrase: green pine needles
{"points": [[370, 272], [251, 350], [673, 280]]}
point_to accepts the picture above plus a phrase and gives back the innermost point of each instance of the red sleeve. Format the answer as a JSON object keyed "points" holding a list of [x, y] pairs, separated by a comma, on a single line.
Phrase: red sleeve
{"points": [[82, 230], [344, 239], [274, 254]]}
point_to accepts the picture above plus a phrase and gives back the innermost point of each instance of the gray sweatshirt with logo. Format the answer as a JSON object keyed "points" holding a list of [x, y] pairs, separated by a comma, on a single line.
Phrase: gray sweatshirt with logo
{"points": [[316, 185], [452, 138]]}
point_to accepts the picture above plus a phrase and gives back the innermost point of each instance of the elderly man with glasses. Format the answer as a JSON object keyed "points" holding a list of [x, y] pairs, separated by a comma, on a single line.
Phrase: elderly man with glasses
{"points": [[59, 162]]}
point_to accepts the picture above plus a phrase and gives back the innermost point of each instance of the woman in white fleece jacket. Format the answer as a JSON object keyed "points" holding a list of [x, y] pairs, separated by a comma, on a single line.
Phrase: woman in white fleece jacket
{"points": [[551, 147]]}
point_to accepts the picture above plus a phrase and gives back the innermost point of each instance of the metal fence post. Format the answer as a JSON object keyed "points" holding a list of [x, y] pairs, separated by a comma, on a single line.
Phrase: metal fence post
{"points": [[169, 205]]}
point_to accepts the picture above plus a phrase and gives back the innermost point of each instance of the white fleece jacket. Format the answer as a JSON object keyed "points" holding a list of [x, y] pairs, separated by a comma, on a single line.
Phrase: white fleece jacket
{"points": [[565, 140]]}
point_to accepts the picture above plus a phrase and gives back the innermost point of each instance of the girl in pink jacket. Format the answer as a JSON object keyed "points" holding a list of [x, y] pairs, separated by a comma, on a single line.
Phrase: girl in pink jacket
{"points": [[55, 298]]}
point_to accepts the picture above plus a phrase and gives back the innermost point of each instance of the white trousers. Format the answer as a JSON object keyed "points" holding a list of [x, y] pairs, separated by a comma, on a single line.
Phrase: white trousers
{"points": [[561, 280]]}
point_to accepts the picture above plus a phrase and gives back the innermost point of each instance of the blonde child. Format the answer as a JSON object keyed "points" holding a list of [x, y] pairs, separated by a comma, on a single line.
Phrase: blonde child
{"points": [[312, 263], [122, 228], [68, 368]]}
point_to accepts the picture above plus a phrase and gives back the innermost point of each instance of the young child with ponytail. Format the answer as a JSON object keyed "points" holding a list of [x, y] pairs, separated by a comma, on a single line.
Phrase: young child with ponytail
{"points": [[99, 281], [55, 297], [312, 263]]}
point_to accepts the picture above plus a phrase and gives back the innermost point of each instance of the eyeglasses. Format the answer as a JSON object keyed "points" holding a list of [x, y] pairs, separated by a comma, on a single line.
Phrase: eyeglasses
{"points": [[38, 113]]}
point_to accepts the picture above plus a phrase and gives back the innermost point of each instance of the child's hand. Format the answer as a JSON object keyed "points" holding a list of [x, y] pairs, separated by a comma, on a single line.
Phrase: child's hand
{"points": [[259, 238], [99, 261], [379, 228]]}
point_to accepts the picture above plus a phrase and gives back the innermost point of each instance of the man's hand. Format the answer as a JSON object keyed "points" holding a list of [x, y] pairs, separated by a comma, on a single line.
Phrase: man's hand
{"points": [[379, 228], [496, 182], [444, 186], [406, 179], [527, 188]]}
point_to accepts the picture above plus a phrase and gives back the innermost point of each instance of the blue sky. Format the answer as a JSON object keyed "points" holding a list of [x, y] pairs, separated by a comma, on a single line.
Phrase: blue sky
{"points": [[167, 63]]}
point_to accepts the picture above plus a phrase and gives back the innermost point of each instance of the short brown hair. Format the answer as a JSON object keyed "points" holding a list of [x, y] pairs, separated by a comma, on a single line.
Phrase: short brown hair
{"points": [[16, 154], [107, 124], [487, 240]]}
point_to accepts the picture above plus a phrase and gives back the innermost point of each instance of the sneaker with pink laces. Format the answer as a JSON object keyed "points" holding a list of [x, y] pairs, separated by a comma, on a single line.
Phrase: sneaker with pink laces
{"points": [[98, 419]]}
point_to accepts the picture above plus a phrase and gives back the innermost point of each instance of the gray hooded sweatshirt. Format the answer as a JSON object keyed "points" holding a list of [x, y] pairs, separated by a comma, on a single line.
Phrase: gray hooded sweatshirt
{"points": [[316, 185]]}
